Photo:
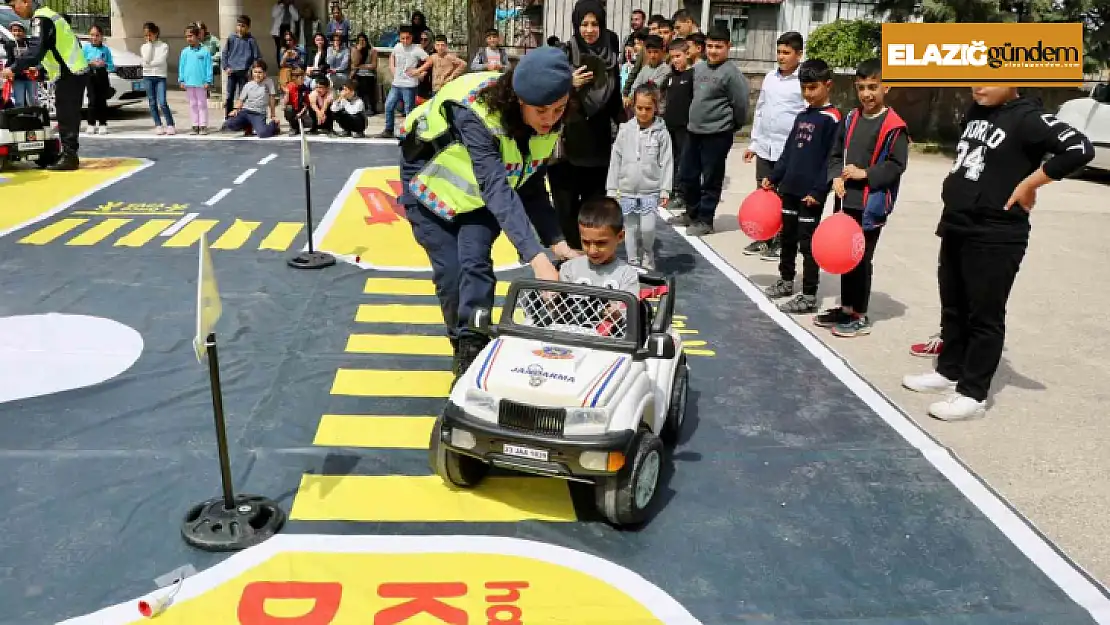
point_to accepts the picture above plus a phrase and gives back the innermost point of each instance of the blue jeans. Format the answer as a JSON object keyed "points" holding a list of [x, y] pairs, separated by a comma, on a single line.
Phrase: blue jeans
{"points": [[156, 98], [25, 93], [263, 128], [407, 95]]}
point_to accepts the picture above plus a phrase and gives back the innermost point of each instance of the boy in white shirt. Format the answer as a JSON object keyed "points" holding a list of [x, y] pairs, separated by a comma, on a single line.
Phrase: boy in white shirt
{"points": [[780, 101], [346, 110], [408, 63]]}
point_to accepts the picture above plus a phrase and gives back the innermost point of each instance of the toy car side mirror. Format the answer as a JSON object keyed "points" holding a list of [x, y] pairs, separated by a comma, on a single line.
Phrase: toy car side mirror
{"points": [[481, 321], [660, 345]]}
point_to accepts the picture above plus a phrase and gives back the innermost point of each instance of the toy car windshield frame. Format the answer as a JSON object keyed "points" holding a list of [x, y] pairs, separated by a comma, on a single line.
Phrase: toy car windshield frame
{"points": [[627, 344]]}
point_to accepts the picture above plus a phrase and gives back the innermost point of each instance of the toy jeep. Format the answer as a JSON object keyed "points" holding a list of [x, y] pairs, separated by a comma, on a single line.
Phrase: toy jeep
{"points": [[25, 134], [578, 382]]}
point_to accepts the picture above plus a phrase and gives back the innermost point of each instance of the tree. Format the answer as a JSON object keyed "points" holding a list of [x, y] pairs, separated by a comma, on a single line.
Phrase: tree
{"points": [[845, 43], [480, 16]]}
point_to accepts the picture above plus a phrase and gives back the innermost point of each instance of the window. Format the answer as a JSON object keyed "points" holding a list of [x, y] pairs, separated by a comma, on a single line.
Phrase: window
{"points": [[817, 12], [734, 18]]}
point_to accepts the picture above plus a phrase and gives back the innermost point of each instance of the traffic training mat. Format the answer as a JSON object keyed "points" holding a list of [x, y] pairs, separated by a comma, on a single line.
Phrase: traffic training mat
{"points": [[797, 493]]}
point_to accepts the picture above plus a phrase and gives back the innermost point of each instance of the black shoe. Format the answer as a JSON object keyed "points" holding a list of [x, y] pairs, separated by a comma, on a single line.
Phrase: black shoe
{"points": [[67, 162], [682, 219], [831, 317], [469, 348]]}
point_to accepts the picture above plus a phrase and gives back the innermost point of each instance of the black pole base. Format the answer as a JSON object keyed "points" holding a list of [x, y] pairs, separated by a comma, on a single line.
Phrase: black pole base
{"points": [[212, 527], [312, 260]]}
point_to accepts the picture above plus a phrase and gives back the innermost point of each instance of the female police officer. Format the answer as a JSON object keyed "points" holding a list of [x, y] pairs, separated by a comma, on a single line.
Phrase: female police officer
{"points": [[472, 160]]}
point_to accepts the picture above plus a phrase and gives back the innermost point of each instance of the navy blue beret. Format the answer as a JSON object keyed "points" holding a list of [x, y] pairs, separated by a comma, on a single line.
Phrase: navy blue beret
{"points": [[542, 76]]}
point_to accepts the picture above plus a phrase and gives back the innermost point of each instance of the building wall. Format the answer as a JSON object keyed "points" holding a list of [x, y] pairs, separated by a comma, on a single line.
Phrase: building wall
{"points": [[172, 16]]}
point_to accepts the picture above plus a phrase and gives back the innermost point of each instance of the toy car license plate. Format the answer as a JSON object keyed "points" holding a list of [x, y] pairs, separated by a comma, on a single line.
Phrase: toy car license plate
{"points": [[136, 85], [31, 146], [525, 452]]}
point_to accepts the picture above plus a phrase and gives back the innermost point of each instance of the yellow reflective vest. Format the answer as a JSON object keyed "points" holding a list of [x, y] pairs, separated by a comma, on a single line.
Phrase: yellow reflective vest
{"points": [[446, 184], [66, 47]]}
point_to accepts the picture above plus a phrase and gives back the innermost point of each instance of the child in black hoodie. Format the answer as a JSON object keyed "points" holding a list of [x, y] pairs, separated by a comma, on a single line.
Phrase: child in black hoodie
{"points": [[678, 92], [801, 179], [984, 231]]}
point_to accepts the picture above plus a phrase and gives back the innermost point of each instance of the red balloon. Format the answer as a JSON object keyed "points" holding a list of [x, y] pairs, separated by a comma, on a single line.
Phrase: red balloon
{"points": [[838, 244], [761, 214]]}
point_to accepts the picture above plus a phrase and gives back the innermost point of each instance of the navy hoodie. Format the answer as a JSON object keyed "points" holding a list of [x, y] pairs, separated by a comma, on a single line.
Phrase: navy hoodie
{"points": [[803, 167]]}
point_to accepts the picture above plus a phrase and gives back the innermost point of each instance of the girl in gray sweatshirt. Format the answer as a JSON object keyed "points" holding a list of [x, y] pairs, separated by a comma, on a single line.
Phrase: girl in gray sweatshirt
{"points": [[641, 170]]}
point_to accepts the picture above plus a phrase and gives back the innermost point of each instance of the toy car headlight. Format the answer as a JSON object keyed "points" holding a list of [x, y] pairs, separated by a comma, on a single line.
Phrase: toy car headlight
{"points": [[586, 421], [479, 402]]}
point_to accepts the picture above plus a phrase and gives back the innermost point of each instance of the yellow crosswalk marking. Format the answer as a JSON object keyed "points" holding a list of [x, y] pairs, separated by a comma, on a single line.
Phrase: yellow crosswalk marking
{"points": [[281, 237], [428, 499], [404, 344], [700, 352], [53, 231], [99, 232], [417, 314], [236, 235], [388, 383], [411, 286], [145, 233], [687, 331], [380, 431], [190, 234]]}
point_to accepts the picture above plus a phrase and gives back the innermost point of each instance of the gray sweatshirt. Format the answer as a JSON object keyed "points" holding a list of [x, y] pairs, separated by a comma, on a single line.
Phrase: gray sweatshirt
{"points": [[720, 99], [651, 74], [642, 162]]}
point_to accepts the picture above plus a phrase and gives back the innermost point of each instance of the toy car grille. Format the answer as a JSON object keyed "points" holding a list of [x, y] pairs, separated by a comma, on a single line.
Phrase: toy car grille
{"points": [[578, 314], [131, 72], [514, 416]]}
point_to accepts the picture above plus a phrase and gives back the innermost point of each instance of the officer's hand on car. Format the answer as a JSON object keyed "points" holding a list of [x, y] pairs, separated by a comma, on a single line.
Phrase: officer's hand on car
{"points": [[564, 251], [544, 269]]}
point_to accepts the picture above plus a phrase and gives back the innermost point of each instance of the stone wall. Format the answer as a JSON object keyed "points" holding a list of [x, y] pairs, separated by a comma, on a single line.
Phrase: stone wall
{"points": [[932, 115]]}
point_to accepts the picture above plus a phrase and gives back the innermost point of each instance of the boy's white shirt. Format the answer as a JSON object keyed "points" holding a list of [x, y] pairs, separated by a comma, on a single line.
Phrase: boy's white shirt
{"points": [[780, 99], [354, 106]]}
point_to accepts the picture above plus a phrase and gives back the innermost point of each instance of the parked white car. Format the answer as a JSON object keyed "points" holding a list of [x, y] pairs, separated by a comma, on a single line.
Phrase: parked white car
{"points": [[126, 83], [1091, 116], [581, 383]]}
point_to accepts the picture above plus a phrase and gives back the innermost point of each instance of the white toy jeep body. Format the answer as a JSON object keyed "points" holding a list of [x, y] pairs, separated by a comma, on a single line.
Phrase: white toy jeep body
{"points": [[577, 383], [26, 134]]}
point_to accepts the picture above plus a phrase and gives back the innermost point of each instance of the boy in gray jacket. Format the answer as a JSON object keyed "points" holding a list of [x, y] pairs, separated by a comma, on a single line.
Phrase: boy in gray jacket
{"points": [[641, 169], [718, 110]]}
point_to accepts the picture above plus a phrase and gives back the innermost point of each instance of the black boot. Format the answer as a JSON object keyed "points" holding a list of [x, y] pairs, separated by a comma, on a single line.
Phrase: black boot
{"points": [[469, 348], [68, 161]]}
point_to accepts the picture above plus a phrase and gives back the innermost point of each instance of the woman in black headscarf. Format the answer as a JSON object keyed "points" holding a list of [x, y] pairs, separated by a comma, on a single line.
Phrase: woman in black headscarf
{"points": [[583, 162], [419, 25]]}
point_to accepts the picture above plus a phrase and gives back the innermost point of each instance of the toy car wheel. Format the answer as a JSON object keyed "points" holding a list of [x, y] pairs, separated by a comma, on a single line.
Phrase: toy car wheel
{"points": [[626, 498], [676, 412], [452, 467]]}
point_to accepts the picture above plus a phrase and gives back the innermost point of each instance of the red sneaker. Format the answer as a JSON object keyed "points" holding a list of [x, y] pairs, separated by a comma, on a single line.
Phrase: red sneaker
{"points": [[928, 349]]}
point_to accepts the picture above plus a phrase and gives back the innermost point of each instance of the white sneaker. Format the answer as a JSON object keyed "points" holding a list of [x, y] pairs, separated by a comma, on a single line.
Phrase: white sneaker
{"points": [[102, 130], [90, 130], [957, 408], [931, 382]]}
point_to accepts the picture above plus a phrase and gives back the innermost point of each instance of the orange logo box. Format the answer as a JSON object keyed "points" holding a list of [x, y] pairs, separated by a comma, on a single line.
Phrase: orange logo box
{"points": [[964, 55]]}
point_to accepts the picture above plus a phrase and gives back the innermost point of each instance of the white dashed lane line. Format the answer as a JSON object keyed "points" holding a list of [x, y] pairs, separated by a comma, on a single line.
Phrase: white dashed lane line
{"points": [[175, 227], [267, 159], [247, 174], [221, 194]]}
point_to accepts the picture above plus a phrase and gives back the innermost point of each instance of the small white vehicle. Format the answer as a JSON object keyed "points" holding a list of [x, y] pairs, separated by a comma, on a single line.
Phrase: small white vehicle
{"points": [[26, 134], [578, 382], [1091, 116]]}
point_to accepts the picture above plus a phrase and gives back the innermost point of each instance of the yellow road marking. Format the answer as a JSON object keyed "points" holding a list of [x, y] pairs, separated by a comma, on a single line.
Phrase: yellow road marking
{"points": [[236, 235], [406, 286], [145, 233], [387, 383], [281, 237], [53, 231], [700, 352], [399, 313], [687, 331], [190, 234], [99, 232], [693, 343], [380, 431], [428, 499], [678, 323], [406, 344]]}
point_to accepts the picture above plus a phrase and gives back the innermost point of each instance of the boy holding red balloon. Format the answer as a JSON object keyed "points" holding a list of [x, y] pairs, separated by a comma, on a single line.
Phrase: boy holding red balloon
{"points": [[801, 178], [984, 232], [866, 166]]}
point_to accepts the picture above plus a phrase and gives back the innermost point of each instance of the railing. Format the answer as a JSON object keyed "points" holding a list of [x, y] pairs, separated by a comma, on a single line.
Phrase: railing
{"points": [[83, 14]]}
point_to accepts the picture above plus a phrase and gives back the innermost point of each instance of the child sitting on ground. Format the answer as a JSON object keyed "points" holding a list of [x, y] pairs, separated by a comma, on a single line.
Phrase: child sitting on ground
{"points": [[296, 102], [801, 178], [867, 163], [256, 98], [347, 111], [319, 107], [641, 170]]}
